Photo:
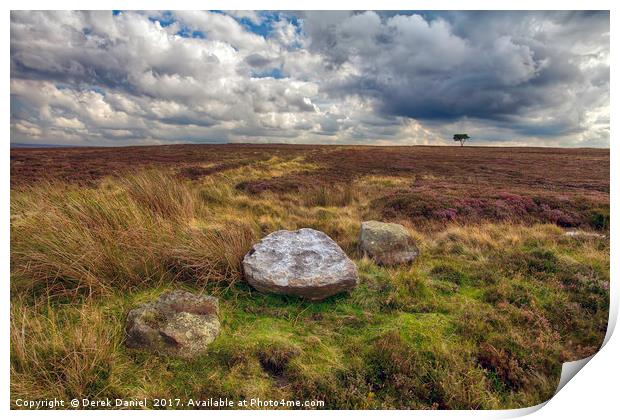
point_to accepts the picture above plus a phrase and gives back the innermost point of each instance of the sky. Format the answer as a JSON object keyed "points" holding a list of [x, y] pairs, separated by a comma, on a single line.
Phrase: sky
{"points": [[116, 78]]}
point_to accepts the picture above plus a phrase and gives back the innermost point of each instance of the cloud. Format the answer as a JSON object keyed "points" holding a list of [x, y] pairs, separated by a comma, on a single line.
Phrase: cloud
{"points": [[523, 73], [103, 78]]}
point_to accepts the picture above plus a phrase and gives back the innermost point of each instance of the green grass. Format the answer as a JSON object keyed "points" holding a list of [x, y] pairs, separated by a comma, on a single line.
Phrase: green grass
{"points": [[483, 318]]}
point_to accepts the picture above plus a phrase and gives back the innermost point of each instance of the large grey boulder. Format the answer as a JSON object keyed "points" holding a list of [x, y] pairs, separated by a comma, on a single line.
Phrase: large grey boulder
{"points": [[178, 323], [305, 263], [387, 243]]}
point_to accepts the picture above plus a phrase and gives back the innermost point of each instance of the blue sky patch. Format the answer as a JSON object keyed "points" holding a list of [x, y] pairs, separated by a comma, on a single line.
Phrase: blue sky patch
{"points": [[275, 73]]}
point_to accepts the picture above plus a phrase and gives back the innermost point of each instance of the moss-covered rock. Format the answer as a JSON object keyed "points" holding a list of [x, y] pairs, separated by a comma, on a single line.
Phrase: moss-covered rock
{"points": [[387, 243], [178, 323]]}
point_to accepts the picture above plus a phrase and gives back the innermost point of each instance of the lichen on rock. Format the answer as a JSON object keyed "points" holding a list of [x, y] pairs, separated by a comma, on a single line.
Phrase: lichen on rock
{"points": [[305, 263], [178, 323], [387, 243]]}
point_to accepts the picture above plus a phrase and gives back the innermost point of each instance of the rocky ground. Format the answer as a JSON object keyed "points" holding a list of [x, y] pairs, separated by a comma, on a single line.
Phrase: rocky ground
{"points": [[494, 271]]}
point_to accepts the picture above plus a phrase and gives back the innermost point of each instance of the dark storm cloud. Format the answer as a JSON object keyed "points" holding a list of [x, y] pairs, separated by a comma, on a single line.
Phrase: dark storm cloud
{"points": [[497, 66], [397, 77]]}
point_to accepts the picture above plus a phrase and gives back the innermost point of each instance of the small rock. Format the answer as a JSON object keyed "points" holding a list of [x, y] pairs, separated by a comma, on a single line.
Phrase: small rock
{"points": [[305, 263], [578, 233], [178, 323], [387, 243]]}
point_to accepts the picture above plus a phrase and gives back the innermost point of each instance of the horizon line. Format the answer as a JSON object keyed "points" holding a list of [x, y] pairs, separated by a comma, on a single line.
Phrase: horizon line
{"points": [[19, 145]]}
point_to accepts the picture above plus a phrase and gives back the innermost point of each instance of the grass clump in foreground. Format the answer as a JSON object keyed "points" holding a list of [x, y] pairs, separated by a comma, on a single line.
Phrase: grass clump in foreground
{"points": [[483, 319]]}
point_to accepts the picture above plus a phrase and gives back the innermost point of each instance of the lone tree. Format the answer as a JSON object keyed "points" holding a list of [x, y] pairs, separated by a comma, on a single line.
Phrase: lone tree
{"points": [[461, 137]]}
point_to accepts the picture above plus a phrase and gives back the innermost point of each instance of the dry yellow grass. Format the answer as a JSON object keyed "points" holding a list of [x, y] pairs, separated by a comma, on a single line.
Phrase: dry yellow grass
{"points": [[62, 352]]}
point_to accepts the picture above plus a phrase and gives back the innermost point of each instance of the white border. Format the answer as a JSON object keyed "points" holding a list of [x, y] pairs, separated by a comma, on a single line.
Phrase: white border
{"points": [[592, 394]]}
